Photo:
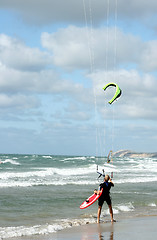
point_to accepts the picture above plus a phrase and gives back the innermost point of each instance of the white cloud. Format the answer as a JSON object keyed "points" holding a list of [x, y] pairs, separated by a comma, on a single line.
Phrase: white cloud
{"points": [[73, 47], [24, 69], [37, 88], [46, 81], [69, 47], [18, 101], [139, 94], [148, 56], [15, 54], [69, 50], [76, 48]]}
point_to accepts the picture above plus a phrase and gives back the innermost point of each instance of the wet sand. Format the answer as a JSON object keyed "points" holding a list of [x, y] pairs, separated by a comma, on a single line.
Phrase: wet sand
{"points": [[128, 229], [124, 229]]}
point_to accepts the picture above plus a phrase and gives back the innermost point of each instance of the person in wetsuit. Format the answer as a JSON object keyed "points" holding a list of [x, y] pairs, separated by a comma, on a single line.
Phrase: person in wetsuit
{"points": [[106, 185]]}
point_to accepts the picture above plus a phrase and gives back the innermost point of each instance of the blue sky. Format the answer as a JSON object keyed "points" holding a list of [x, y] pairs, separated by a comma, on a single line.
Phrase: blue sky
{"points": [[55, 58]]}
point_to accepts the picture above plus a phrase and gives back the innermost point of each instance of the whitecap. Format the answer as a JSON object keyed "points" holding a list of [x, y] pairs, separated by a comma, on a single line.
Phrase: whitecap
{"points": [[74, 158], [11, 161], [7, 175], [152, 205], [25, 231], [9, 232], [125, 208], [47, 156]]}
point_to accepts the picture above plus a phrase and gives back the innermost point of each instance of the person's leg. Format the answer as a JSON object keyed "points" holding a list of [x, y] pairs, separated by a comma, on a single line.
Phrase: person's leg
{"points": [[111, 212], [99, 212]]}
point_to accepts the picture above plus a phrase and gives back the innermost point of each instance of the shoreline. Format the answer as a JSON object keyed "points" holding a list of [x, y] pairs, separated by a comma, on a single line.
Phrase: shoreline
{"points": [[140, 227]]}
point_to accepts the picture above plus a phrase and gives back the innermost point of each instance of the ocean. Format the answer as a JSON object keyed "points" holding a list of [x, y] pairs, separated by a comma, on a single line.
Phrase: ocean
{"points": [[41, 194]]}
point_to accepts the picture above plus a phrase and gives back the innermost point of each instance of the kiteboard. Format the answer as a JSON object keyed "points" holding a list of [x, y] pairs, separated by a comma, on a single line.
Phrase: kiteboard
{"points": [[89, 201]]}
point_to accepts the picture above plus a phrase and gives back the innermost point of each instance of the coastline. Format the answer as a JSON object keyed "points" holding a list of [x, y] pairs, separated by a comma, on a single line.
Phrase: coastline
{"points": [[131, 154], [127, 228], [138, 228], [32, 208]]}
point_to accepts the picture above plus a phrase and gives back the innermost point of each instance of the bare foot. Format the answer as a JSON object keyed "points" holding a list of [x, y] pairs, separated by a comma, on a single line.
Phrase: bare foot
{"points": [[113, 220]]}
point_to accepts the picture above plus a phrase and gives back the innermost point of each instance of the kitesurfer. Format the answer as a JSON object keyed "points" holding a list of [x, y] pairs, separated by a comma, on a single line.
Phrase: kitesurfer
{"points": [[109, 157], [106, 186]]}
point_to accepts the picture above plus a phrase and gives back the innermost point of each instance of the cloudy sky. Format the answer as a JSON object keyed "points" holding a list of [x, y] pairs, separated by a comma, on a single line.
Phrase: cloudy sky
{"points": [[55, 58]]}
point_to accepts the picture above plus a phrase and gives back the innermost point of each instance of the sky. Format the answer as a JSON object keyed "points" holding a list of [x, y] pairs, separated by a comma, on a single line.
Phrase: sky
{"points": [[55, 58]]}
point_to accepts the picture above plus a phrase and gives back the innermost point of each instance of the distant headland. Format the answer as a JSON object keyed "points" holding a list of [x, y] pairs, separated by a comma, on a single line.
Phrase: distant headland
{"points": [[128, 153]]}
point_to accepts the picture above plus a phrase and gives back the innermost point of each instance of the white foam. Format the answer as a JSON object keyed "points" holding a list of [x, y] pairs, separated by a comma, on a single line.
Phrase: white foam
{"points": [[8, 175], [140, 179], [42, 182], [74, 158], [152, 205], [50, 171], [76, 171], [106, 212], [126, 192], [115, 211], [47, 157], [9, 232], [11, 161], [125, 208]]}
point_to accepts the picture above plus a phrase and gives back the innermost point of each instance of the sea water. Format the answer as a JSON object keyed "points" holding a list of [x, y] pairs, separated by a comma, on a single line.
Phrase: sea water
{"points": [[41, 194]]}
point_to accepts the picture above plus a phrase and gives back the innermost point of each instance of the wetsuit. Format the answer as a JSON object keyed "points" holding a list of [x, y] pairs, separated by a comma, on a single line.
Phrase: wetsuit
{"points": [[105, 194]]}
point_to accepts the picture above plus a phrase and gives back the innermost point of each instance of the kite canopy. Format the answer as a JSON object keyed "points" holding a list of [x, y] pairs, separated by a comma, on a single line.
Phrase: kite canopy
{"points": [[117, 93]]}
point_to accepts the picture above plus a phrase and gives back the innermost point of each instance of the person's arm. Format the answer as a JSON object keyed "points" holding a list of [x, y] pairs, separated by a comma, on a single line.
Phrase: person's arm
{"points": [[111, 182], [99, 191]]}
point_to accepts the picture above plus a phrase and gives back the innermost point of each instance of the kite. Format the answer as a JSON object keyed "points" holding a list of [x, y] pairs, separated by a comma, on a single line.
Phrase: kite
{"points": [[117, 93]]}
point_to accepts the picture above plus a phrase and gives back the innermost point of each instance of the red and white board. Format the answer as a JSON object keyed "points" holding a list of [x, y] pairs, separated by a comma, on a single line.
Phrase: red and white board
{"points": [[90, 200]]}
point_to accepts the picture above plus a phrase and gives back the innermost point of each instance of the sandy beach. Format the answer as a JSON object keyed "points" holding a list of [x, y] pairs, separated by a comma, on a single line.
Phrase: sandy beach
{"points": [[32, 208], [128, 229], [125, 229]]}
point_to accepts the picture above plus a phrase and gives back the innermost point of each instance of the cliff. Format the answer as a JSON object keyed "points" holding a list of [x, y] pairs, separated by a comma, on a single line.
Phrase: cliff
{"points": [[128, 153]]}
